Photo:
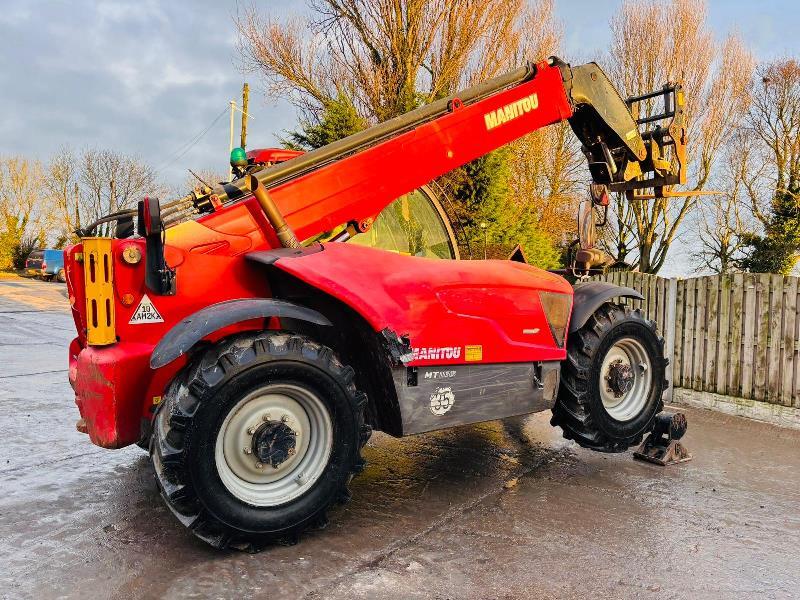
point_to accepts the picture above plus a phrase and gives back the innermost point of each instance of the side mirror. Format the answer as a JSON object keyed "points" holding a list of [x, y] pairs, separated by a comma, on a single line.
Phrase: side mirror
{"points": [[158, 277], [587, 231], [150, 217]]}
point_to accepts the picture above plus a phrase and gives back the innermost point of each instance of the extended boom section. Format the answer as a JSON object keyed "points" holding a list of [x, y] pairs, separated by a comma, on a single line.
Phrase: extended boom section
{"points": [[355, 178], [397, 156], [401, 155]]}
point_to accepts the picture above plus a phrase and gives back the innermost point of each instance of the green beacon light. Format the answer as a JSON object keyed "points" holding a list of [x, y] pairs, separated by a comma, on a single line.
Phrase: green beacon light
{"points": [[238, 157]]}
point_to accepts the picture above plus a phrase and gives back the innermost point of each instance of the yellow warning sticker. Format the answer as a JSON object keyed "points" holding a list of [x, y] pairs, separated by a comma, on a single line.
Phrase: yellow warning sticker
{"points": [[156, 400], [473, 353]]}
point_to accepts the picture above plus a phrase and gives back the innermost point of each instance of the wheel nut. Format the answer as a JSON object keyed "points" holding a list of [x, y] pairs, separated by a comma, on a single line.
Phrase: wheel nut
{"points": [[247, 450], [251, 430], [259, 465], [284, 418], [643, 367], [265, 417], [290, 451]]}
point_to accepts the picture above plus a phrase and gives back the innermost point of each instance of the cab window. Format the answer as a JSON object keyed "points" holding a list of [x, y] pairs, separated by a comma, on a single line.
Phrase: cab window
{"points": [[413, 225]]}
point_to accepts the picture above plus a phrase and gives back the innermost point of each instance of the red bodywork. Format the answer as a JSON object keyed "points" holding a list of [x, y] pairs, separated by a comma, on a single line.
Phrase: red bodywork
{"points": [[436, 303], [486, 303]]}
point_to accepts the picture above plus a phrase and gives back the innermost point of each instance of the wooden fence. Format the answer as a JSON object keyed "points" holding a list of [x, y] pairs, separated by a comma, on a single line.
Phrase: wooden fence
{"points": [[736, 335]]}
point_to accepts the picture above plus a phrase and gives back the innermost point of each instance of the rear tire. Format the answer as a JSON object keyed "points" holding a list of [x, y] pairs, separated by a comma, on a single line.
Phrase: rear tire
{"points": [[612, 381], [258, 438]]}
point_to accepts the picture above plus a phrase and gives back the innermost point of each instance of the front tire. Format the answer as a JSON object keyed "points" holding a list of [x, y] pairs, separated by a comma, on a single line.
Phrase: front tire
{"points": [[612, 381], [258, 438]]}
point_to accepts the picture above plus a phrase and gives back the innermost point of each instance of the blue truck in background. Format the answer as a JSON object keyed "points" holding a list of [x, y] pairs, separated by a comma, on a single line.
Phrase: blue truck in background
{"points": [[47, 264]]}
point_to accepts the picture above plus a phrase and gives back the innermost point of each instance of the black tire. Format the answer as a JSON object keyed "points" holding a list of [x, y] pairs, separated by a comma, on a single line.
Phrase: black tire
{"points": [[579, 409], [195, 407]]}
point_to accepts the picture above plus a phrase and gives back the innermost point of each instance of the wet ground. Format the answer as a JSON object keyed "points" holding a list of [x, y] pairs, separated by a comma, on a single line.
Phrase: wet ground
{"points": [[499, 510]]}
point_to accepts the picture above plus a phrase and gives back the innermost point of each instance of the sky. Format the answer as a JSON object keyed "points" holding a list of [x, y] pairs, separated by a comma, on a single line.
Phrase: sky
{"points": [[146, 78]]}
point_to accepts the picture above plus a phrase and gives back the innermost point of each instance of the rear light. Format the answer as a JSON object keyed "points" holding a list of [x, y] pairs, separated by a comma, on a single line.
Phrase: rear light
{"points": [[44, 265], [557, 309]]}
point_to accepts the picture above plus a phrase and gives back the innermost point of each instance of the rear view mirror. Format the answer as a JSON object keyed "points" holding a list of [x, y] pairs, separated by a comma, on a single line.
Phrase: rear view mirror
{"points": [[150, 217], [587, 231], [158, 277]]}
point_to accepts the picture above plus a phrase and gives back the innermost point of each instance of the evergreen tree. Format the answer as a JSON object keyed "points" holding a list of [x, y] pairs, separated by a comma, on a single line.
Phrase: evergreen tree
{"points": [[777, 250], [480, 191], [338, 119]]}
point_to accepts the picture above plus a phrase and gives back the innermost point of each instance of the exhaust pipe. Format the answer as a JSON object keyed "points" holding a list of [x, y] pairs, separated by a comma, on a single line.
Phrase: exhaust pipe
{"points": [[286, 236]]}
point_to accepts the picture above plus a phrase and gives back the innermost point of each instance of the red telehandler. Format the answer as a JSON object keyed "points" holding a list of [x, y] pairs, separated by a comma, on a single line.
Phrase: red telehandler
{"points": [[254, 360]]}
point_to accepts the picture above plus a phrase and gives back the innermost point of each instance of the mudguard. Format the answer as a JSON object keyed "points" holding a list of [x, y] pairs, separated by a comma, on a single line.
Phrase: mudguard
{"points": [[198, 325], [591, 295], [448, 311]]}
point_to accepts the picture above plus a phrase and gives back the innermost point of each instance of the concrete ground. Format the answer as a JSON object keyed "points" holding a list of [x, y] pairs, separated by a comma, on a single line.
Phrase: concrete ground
{"points": [[498, 510]]}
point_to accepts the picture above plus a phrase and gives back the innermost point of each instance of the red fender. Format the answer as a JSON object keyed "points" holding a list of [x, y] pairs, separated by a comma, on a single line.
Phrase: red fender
{"points": [[453, 312]]}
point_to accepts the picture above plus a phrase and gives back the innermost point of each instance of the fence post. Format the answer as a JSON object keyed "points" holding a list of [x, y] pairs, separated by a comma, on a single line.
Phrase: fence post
{"points": [[669, 333]]}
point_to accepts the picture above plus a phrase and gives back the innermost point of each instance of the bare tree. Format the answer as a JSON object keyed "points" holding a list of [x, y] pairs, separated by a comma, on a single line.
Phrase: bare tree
{"points": [[548, 176], [724, 221], [48, 204], [678, 47], [388, 55], [774, 128], [23, 210], [81, 188], [548, 171], [774, 120], [111, 181], [61, 184]]}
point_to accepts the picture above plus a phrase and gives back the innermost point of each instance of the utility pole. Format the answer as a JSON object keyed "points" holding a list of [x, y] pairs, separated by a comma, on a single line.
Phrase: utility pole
{"points": [[112, 200], [77, 208], [245, 99], [230, 149], [234, 108]]}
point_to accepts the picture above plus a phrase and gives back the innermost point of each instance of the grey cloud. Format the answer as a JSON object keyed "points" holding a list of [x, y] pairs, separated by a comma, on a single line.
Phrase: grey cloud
{"points": [[138, 77]]}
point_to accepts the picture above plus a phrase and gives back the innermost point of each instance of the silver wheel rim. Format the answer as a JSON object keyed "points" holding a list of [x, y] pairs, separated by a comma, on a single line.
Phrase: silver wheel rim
{"points": [[260, 484], [631, 354]]}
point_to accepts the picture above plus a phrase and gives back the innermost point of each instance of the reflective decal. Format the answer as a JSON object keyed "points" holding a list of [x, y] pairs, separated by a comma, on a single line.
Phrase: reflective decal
{"points": [[473, 353], [146, 312], [442, 400]]}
